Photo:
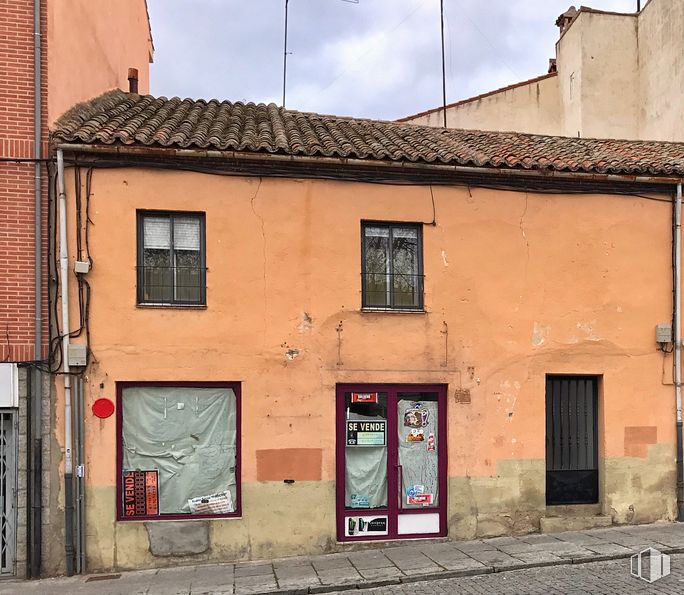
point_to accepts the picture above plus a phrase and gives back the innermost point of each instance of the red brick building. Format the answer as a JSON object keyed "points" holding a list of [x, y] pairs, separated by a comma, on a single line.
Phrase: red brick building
{"points": [[46, 65], [17, 179]]}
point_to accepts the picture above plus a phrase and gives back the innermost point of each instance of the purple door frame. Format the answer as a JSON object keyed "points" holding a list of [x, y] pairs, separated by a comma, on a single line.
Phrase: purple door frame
{"points": [[393, 508]]}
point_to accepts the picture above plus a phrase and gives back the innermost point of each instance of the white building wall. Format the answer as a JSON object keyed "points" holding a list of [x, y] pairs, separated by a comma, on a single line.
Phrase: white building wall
{"points": [[661, 59], [619, 76]]}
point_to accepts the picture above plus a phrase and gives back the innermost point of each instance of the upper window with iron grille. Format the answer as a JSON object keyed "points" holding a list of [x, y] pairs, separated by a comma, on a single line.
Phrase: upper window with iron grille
{"points": [[392, 266], [171, 258]]}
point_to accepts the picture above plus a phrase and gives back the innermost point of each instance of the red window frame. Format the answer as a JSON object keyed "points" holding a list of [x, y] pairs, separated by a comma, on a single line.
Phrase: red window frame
{"points": [[120, 387], [392, 511]]}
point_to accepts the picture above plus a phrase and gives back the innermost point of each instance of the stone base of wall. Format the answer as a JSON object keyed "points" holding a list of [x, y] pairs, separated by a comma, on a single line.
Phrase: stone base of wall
{"points": [[26, 385], [633, 490], [278, 520], [287, 520]]}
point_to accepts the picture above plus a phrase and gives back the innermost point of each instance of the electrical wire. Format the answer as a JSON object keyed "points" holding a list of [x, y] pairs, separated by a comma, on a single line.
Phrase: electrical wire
{"points": [[231, 168], [56, 354], [45, 160], [371, 175], [357, 58]]}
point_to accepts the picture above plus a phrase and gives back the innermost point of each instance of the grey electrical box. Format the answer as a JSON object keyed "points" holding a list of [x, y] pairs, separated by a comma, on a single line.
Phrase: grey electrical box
{"points": [[82, 266], [663, 333], [78, 354]]}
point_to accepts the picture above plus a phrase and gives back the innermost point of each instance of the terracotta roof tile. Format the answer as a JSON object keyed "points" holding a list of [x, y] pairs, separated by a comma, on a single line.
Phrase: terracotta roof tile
{"points": [[130, 119]]}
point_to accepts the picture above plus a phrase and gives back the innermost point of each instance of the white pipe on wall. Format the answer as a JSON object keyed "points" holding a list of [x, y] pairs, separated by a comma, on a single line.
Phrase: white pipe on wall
{"points": [[678, 346], [64, 290]]}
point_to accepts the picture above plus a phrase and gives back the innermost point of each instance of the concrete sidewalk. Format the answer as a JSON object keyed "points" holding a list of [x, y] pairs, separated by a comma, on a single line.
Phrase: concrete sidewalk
{"points": [[372, 567]]}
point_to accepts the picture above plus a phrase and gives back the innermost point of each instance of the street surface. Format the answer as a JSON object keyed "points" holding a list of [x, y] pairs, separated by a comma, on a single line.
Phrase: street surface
{"points": [[602, 578], [573, 562]]}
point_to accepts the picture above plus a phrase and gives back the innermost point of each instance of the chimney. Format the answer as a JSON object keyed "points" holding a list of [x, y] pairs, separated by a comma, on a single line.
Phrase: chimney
{"points": [[132, 80], [552, 65], [564, 20]]}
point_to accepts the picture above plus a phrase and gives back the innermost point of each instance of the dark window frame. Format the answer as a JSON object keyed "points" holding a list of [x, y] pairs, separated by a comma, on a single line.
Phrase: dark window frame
{"points": [[140, 257], [420, 277], [120, 387]]}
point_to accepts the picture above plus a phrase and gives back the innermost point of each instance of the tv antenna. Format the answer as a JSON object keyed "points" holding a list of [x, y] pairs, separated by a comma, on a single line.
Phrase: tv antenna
{"points": [[287, 2], [444, 103]]}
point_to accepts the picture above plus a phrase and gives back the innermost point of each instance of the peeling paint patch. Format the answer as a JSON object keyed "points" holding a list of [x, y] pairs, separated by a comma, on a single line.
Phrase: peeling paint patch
{"points": [[462, 395], [306, 324], [539, 334], [292, 354], [587, 327], [638, 439], [300, 464], [444, 258], [509, 391]]}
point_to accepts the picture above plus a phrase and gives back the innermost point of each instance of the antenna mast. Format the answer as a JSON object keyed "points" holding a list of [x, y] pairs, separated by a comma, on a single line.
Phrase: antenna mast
{"points": [[285, 54], [444, 103]]}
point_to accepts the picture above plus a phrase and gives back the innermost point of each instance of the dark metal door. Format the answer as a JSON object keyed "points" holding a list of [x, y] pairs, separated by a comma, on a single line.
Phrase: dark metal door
{"points": [[8, 491], [571, 439]]}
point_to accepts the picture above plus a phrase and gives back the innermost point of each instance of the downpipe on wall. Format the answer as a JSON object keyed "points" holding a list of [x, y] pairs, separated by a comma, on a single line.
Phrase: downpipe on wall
{"points": [[35, 448], [64, 290], [678, 347]]}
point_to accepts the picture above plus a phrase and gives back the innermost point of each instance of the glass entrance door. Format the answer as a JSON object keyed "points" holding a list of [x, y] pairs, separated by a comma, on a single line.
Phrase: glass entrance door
{"points": [[391, 461]]}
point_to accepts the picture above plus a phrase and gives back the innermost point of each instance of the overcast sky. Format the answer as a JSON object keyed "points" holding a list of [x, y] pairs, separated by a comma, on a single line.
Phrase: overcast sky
{"points": [[377, 58]]}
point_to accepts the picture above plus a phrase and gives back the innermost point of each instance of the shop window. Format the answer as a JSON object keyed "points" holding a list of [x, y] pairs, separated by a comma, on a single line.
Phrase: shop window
{"points": [[171, 258], [391, 265], [179, 450], [366, 459]]}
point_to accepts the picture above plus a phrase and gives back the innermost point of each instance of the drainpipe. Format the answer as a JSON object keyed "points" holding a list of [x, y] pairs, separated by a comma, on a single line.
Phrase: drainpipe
{"points": [[35, 449], [678, 349], [64, 290]]}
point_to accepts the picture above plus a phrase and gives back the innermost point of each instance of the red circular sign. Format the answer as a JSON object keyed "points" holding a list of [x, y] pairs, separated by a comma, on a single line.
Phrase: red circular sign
{"points": [[103, 408]]}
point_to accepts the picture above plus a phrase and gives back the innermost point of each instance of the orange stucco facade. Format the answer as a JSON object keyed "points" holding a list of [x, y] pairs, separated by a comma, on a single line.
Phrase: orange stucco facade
{"points": [[91, 46], [517, 286]]}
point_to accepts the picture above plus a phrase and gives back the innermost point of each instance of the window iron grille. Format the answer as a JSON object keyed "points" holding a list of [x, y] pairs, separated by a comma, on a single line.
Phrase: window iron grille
{"points": [[171, 258]]}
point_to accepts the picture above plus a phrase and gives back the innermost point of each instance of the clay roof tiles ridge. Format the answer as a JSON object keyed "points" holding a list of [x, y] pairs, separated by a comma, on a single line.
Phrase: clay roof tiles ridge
{"points": [[124, 118]]}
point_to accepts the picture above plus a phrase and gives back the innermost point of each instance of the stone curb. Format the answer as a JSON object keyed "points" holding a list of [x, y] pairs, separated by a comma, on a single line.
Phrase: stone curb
{"points": [[600, 558], [446, 574], [525, 565]]}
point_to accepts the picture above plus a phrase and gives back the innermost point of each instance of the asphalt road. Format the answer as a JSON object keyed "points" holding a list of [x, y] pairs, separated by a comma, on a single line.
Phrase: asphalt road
{"points": [[609, 578]]}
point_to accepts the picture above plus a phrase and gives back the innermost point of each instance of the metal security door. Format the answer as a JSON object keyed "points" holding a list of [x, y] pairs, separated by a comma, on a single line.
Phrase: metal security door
{"points": [[571, 440], [8, 492]]}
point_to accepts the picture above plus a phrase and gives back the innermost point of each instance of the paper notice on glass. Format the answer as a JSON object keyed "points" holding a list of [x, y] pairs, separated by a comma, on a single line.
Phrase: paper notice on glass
{"points": [[220, 503], [366, 433]]}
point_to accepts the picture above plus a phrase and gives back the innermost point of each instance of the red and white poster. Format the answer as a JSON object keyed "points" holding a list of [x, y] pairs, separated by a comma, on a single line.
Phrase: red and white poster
{"points": [[364, 397], [424, 499], [141, 493]]}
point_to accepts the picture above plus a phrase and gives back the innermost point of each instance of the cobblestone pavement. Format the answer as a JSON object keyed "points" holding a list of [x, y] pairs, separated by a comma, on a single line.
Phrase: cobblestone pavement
{"points": [[593, 561], [595, 578]]}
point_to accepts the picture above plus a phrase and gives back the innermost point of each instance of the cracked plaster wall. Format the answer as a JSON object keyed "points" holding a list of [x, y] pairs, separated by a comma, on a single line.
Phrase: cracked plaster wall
{"points": [[527, 284]]}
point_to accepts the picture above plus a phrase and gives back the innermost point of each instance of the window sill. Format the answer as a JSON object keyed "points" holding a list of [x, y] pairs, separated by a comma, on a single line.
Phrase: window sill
{"points": [[182, 518], [173, 306], [391, 311]]}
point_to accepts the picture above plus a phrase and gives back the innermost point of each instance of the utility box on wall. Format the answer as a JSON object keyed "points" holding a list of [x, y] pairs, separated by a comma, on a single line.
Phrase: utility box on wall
{"points": [[663, 333], [9, 385], [78, 354]]}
